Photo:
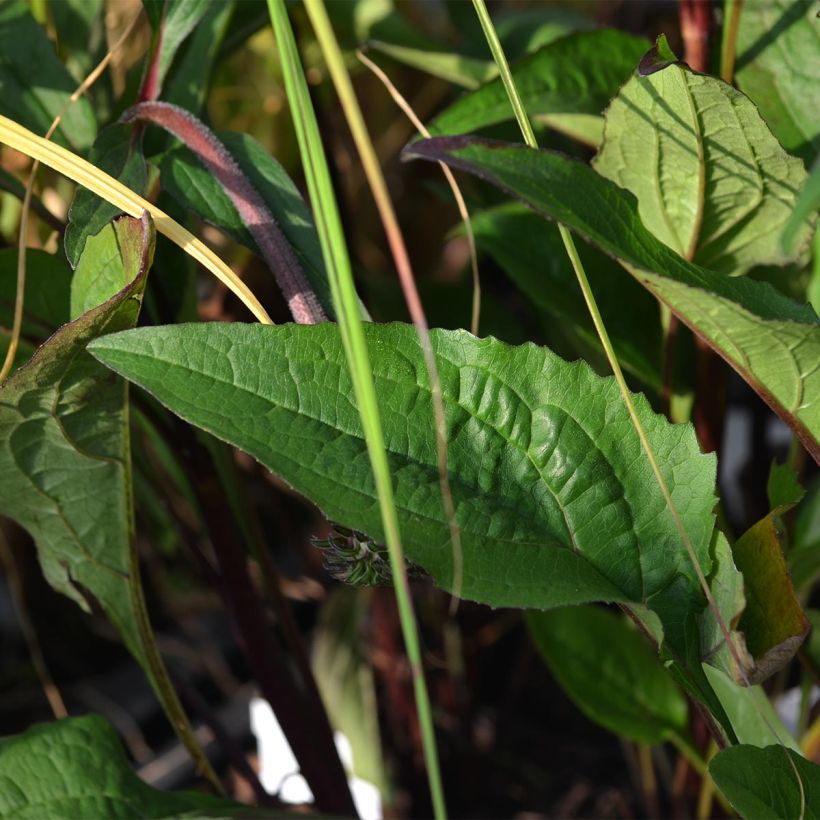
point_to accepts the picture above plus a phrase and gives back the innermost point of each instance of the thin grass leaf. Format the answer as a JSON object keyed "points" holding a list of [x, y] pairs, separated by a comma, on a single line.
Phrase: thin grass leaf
{"points": [[346, 305]]}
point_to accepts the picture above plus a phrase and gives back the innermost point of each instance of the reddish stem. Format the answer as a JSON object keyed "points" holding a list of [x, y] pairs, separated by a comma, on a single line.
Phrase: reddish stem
{"points": [[275, 249], [694, 26]]}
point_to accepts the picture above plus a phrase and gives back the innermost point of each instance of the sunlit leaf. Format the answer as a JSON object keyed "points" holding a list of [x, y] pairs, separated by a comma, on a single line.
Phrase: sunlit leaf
{"points": [[711, 180], [773, 342], [778, 62]]}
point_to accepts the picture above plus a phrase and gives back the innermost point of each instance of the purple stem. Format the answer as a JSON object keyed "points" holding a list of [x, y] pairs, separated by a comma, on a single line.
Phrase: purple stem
{"points": [[275, 249]]}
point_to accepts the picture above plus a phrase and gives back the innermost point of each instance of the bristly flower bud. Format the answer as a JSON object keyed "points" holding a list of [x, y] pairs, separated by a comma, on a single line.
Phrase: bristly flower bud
{"points": [[354, 558]]}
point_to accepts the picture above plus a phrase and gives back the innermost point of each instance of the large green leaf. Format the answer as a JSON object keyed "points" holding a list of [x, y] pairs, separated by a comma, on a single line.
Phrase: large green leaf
{"points": [[778, 63], [64, 451], [577, 74], [763, 783], [610, 672], [543, 455], [532, 254], [193, 186], [773, 342], [711, 180], [77, 768], [34, 84]]}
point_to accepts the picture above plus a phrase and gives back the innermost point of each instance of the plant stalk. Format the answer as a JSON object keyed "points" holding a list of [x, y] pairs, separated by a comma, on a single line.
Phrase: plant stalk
{"points": [[346, 305], [728, 50]]}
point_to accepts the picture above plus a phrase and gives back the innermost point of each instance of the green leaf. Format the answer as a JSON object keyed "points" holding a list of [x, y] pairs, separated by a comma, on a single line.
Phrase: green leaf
{"points": [[577, 74], [48, 283], [762, 783], [172, 22], [783, 488], [34, 84], [772, 342], [77, 768], [753, 717], [111, 259], [459, 69], [778, 62], [341, 665], [726, 584], [193, 186], [532, 254], [551, 508], [609, 670], [64, 452], [805, 209], [188, 82], [114, 153], [804, 556], [711, 180]]}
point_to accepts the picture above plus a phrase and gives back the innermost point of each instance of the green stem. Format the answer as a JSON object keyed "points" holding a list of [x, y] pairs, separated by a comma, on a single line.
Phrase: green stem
{"points": [[147, 642], [345, 301], [728, 50]]}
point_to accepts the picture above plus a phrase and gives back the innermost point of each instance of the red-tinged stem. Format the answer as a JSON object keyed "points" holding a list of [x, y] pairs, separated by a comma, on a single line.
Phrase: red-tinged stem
{"points": [[274, 247], [694, 26]]}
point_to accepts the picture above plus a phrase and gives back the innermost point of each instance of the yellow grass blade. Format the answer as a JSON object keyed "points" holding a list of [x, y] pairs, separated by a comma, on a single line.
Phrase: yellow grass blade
{"points": [[84, 173]]}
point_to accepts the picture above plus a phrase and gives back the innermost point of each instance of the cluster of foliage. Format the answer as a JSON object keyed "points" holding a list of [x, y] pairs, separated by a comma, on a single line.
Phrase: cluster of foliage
{"points": [[563, 491]]}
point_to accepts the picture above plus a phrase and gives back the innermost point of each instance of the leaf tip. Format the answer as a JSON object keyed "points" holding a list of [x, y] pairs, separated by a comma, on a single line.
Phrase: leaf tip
{"points": [[658, 57]]}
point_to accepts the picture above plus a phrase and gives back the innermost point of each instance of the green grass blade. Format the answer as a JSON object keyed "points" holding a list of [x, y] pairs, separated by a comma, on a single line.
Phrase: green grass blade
{"points": [[346, 305]]}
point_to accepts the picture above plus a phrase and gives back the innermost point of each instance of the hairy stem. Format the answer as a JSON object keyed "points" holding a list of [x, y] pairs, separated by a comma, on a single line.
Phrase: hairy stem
{"points": [[275, 248]]}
